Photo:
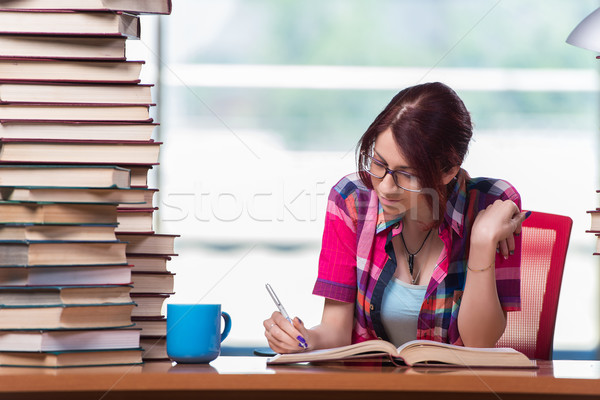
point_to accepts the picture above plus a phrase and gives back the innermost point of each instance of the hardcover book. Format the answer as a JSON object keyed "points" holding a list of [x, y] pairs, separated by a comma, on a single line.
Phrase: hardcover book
{"points": [[66, 316], [71, 195], [148, 262], [148, 304], [595, 221], [147, 206], [61, 295], [78, 151], [53, 70], [61, 359], [152, 282], [149, 243], [76, 130], [64, 175], [67, 232], [135, 219], [139, 178], [65, 213], [71, 93], [151, 326], [75, 112], [597, 252], [90, 274], [154, 348], [69, 339], [68, 22], [131, 6], [61, 253], [85, 48]]}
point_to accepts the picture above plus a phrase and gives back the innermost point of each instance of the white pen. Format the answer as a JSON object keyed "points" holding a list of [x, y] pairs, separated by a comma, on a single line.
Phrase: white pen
{"points": [[281, 309], [278, 303]]}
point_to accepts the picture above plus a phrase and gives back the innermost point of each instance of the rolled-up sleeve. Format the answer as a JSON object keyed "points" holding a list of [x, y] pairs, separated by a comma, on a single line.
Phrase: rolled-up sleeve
{"points": [[508, 271], [337, 262]]}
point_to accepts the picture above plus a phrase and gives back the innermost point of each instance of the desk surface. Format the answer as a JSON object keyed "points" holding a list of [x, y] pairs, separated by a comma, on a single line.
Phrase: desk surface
{"points": [[249, 377]]}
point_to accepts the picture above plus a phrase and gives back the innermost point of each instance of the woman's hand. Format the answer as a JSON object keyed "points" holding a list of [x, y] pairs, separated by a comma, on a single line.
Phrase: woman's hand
{"points": [[284, 337], [496, 226]]}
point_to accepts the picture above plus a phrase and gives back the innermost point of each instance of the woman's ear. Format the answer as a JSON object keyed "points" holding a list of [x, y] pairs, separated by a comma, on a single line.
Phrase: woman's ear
{"points": [[448, 176]]}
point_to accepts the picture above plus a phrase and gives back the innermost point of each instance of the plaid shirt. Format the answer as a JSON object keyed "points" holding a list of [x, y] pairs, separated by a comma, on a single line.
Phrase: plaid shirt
{"points": [[354, 265]]}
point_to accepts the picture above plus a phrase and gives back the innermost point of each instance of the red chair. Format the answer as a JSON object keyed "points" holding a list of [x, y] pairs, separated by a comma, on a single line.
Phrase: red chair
{"points": [[545, 240]]}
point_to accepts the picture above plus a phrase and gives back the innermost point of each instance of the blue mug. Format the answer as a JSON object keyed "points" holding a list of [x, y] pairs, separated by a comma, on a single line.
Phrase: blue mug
{"points": [[194, 332]]}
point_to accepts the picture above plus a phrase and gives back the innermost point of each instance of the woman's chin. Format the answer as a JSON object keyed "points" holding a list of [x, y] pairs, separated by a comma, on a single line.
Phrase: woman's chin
{"points": [[393, 210]]}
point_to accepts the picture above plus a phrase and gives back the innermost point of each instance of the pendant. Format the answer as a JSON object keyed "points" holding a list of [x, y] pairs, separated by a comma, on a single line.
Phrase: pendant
{"points": [[411, 260]]}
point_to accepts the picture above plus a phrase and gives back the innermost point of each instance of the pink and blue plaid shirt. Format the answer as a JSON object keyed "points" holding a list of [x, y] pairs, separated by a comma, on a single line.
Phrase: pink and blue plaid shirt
{"points": [[354, 265]]}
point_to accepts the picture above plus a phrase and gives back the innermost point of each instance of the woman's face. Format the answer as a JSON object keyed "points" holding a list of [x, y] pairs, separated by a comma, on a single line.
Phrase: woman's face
{"points": [[393, 199]]}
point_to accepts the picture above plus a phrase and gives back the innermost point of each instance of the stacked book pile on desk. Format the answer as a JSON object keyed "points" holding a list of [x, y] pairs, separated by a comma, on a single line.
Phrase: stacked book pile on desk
{"points": [[152, 285], [75, 207], [148, 253], [595, 220], [595, 226]]}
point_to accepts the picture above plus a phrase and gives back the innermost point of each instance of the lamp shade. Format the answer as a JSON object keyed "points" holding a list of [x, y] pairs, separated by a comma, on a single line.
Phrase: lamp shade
{"points": [[587, 34]]}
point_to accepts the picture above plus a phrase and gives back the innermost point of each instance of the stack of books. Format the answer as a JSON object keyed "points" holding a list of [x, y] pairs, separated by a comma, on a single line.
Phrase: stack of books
{"points": [[75, 151], [595, 226], [148, 252], [595, 220]]}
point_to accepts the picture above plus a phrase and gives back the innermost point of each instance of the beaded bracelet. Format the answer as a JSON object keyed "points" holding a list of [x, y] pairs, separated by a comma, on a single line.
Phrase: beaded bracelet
{"points": [[482, 269]]}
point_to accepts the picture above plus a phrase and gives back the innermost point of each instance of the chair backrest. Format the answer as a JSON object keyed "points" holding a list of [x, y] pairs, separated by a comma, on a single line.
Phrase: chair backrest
{"points": [[545, 240]]}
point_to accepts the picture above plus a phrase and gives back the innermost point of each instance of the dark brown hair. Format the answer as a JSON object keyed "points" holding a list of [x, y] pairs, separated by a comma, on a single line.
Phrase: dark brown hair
{"points": [[432, 129]]}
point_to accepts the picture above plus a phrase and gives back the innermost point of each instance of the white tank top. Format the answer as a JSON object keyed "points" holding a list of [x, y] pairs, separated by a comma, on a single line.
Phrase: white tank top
{"points": [[400, 309]]}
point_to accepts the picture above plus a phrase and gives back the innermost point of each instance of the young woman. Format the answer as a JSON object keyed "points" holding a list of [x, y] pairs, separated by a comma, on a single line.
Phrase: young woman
{"points": [[413, 247]]}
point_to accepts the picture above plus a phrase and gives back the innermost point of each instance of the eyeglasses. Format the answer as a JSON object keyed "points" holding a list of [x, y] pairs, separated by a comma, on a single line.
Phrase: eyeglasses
{"points": [[402, 179]]}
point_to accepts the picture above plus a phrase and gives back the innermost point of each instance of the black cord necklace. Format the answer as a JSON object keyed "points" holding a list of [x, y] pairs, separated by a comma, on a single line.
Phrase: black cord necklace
{"points": [[411, 256]]}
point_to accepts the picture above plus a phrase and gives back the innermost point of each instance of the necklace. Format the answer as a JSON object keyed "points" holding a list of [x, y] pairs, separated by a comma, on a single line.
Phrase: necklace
{"points": [[411, 256]]}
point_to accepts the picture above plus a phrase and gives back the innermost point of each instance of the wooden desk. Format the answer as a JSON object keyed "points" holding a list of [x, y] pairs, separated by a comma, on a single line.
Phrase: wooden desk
{"points": [[249, 377]]}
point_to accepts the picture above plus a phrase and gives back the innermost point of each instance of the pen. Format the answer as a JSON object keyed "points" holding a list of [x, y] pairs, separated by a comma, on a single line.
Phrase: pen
{"points": [[281, 309], [278, 303]]}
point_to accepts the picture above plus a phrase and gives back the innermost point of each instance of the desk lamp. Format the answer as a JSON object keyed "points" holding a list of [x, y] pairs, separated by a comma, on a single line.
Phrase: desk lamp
{"points": [[587, 34]]}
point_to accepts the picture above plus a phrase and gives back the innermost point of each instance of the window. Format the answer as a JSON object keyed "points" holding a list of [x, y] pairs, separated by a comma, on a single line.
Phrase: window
{"points": [[263, 102]]}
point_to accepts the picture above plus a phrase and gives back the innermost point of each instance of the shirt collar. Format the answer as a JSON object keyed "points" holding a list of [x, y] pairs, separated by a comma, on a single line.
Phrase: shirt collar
{"points": [[455, 206], [382, 222]]}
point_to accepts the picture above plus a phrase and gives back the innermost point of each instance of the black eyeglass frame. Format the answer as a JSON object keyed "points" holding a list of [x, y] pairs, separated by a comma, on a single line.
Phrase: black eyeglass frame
{"points": [[391, 172]]}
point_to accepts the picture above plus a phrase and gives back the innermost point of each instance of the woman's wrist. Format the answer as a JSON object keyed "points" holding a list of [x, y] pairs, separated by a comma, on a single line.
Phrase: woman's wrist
{"points": [[312, 338], [478, 269], [482, 255]]}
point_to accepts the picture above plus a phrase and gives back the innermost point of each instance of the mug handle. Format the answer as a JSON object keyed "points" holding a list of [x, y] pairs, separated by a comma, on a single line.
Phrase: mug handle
{"points": [[227, 327]]}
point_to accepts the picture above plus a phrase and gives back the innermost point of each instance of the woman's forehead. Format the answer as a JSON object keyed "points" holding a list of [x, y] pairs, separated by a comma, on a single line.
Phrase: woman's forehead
{"points": [[387, 148]]}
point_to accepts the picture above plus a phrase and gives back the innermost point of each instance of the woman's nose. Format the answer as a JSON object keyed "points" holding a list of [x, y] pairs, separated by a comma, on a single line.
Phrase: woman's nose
{"points": [[388, 184]]}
